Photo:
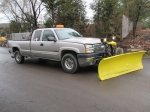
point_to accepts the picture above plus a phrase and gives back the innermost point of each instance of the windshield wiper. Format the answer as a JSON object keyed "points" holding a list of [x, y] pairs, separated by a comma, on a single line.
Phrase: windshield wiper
{"points": [[65, 38]]}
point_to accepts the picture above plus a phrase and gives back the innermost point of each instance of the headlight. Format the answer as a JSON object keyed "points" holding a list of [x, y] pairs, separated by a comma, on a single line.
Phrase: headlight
{"points": [[104, 40], [89, 48]]}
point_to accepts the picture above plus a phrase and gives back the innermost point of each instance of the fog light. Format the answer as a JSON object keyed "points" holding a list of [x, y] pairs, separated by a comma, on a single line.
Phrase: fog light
{"points": [[90, 59]]}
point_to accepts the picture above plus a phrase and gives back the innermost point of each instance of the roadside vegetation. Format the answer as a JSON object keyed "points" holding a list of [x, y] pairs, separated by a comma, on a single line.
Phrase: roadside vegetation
{"points": [[25, 15]]}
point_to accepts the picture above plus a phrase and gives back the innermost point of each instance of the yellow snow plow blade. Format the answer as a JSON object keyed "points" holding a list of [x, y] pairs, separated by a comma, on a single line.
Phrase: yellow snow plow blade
{"points": [[2, 39], [120, 64]]}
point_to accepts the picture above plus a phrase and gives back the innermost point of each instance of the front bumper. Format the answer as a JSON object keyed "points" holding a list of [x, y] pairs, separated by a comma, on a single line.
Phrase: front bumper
{"points": [[89, 59]]}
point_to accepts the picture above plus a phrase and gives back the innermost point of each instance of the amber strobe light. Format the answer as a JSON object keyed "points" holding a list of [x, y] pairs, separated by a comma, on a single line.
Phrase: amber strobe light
{"points": [[59, 26]]}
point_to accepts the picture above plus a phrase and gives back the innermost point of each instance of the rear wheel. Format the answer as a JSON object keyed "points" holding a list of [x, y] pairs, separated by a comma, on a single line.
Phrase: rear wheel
{"points": [[69, 63], [18, 57]]}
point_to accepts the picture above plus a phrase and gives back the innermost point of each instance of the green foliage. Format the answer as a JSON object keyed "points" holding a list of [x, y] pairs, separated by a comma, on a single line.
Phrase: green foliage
{"points": [[70, 13], [51, 6], [146, 22], [2, 31], [16, 27], [48, 23], [107, 17]]}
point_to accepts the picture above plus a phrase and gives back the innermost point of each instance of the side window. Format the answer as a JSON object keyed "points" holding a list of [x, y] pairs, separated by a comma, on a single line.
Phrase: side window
{"points": [[37, 35], [46, 34]]}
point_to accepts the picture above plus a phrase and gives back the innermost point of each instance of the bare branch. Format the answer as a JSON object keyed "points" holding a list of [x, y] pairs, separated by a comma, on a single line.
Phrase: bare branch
{"points": [[38, 7], [21, 10], [5, 14], [40, 12]]}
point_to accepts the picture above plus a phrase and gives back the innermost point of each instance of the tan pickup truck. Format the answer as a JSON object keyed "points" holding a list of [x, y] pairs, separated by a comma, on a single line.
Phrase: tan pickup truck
{"points": [[60, 44]]}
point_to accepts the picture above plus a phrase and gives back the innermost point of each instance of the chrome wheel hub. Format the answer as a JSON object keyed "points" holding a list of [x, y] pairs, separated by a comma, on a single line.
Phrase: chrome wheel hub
{"points": [[69, 64], [18, 57]]}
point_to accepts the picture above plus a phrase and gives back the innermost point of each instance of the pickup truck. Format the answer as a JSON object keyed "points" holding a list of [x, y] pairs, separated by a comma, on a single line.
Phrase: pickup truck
{"points": [[60, 44]]}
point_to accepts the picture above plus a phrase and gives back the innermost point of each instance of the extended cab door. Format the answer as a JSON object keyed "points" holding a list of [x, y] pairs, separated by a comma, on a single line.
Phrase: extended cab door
{"points": [[36, 44], [49, 49]]}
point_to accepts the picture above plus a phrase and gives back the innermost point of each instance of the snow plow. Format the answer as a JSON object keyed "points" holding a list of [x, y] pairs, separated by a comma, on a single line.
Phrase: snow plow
{"points": [[118, 65], [3, 41]]}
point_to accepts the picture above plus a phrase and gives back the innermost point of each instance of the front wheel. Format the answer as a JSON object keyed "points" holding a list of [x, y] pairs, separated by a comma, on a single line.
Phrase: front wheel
{"points": [[18, 57], [69, 63]]}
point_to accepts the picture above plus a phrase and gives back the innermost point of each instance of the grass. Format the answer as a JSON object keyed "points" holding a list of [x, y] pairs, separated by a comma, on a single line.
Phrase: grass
{"points": [[146, 55]]}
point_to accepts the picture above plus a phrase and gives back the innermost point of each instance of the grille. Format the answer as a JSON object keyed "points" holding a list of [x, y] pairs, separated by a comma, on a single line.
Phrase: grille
{"points": [[98, 49]]}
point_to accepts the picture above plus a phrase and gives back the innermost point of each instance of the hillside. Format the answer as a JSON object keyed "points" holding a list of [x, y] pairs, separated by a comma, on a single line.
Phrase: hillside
{"points": [[4, 25]]}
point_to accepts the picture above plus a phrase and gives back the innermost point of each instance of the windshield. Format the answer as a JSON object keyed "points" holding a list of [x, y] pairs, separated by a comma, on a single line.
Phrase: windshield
{"points": [[66, 33]]}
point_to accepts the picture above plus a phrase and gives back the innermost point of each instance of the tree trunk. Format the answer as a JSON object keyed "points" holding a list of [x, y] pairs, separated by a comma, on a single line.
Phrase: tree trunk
{"points": [[136, 21], [52, 16], [134, 30]]}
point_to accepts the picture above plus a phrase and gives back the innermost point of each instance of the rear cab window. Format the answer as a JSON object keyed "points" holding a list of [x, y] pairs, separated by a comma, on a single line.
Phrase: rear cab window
{"points": [[37, 35]]}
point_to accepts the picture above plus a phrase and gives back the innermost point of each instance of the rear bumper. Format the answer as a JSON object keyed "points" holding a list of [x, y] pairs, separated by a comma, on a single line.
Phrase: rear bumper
{"points": [[89, 59]]}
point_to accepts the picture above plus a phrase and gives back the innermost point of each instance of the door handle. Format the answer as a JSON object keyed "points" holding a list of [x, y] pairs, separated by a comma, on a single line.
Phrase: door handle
{"points": [[41, 44]]}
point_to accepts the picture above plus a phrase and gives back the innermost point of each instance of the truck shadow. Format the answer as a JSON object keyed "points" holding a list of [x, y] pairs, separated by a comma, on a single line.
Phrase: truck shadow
{"points": [[36, 62]]}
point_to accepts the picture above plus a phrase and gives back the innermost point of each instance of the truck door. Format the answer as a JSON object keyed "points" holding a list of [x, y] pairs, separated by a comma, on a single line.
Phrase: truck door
{"points": [[49, 49], [35, 44]]}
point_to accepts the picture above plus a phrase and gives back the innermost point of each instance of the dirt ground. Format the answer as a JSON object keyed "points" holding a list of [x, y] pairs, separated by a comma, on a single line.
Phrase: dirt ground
{"points": [[140, 42]]}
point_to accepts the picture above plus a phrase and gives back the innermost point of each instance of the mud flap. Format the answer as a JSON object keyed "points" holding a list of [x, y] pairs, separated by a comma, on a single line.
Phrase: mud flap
{"points": [[120, 64]]}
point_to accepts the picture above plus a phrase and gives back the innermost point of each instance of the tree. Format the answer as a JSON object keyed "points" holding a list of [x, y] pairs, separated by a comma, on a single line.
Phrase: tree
{"points": [[70, 13], [136, 10], [15, 27], [48, 23], [22, 10], [107, 17], [51, 6], [147, 22]]}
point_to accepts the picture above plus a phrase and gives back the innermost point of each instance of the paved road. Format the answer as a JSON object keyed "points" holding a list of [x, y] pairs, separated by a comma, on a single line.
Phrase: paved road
{"points": [[37, 87]]}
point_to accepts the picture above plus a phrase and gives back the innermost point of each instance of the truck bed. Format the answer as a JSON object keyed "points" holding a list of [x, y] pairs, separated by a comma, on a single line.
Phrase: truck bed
{"points": [[24, 46]]}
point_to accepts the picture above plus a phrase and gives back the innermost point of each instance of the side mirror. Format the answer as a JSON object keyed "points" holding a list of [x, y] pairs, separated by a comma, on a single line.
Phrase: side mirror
{"points": [[51, 39]]}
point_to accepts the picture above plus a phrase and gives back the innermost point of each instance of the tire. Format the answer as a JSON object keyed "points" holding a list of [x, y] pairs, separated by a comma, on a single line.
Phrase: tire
{"points": [[18, 57], [69, 63]]}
